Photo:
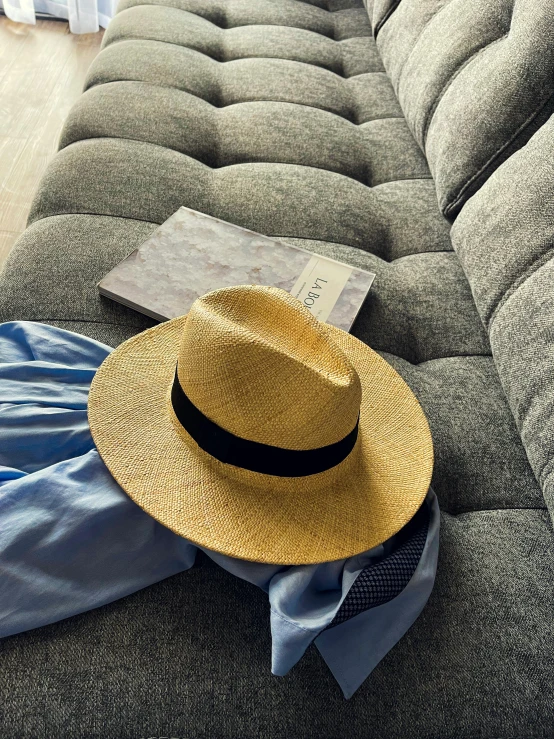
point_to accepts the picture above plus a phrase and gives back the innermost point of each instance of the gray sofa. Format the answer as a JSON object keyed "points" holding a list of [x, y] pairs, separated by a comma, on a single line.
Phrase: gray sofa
{"points": [[421, 150]]}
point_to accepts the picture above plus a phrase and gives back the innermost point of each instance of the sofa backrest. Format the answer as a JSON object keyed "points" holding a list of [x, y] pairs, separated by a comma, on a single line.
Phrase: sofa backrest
{"points": [[475, 79], [379, 12], [504, 237]]}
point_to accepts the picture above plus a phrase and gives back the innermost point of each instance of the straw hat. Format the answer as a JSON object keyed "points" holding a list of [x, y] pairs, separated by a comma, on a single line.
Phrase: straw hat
{"points": [[252, 429]]}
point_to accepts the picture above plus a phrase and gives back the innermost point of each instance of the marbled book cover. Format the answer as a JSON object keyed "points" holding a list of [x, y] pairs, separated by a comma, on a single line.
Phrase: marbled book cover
{"points": [[192, 253]]}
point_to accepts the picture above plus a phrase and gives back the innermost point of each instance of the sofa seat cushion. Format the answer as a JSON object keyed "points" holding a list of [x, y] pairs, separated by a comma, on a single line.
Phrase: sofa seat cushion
{"points": [[190, 657], [475, 80]]}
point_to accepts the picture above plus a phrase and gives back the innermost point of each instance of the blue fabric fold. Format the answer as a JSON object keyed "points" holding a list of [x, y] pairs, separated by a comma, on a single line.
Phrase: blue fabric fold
{"points": [[72, 540]]}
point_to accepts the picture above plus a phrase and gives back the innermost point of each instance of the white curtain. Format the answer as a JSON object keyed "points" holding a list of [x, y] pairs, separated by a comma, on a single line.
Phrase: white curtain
{"points": [[84, 16]]}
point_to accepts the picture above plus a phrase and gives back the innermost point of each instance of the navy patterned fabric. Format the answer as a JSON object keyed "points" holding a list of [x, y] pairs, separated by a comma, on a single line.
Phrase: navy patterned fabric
{"points": [[380, 582]]}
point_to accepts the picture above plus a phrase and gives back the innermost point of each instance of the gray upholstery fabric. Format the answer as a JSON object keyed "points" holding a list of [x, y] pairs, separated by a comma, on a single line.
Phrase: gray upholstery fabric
{"points": [[505, 240], [475, 80], [190, 657], [428, 290], [479, 460], [43, 282], [277, 115], [379, 12]]}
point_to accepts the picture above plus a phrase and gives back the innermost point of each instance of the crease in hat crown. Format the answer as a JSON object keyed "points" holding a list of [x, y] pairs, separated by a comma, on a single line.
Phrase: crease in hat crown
{"points": [[257, 363]]}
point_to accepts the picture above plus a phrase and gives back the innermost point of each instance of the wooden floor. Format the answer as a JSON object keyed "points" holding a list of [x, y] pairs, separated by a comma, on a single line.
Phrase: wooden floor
{"points": [[42, 71]]}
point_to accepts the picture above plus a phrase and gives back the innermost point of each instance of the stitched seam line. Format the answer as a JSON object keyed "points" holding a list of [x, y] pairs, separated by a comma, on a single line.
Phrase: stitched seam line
{"points": [[296, 625], [101, 215], [86, 215], [365, 180], [454, 204], [332, 172], [545, 471], [353, 119], [124, 40], [277, 236], [522, 278], [386, 353], [414, 47], [441, 359], [352, 113], [284, 237], [361, 180], [492, 510], [241, 59], [449, 252], [86, 320], [141, 142], [300, 2], [385, 18], [431, 114], [332, 31]]}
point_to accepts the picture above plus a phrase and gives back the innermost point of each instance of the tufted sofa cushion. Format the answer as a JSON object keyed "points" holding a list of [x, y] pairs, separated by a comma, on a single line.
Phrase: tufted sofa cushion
{"points": [[505, 240], [277, 115], [379, 12], [475, 80]]}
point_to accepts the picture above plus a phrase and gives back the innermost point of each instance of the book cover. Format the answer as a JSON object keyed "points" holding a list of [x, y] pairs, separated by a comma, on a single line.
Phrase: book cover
{"points": [[192, 253]]}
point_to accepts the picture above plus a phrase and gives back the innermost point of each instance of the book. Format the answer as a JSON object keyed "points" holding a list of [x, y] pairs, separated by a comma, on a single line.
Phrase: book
{"points": [[193, 253]]}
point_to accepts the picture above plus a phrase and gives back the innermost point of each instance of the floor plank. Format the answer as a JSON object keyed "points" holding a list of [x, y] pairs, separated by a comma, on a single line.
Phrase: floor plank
{"points": [[32, 77], [10, 151], [12, 37], [47, 72]]}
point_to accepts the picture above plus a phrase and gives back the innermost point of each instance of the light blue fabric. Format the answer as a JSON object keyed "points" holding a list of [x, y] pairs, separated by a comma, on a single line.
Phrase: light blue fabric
{"points": [[72, 540]]}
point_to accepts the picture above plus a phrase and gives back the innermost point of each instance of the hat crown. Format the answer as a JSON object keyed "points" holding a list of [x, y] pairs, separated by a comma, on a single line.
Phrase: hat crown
{"points": [[257, 363]]}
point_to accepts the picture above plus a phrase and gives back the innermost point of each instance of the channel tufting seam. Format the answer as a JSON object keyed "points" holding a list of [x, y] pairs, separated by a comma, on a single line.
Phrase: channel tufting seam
{"points": [[287, 13], [281, 80], [223, 106], [526, 273], [227, 61], [539, 114], [362, 211], [474, 56], [174, 26], [385, 17], [349, 148], [180, 15], [412, 52], [225, 57], [217, 10], [403, 75]]}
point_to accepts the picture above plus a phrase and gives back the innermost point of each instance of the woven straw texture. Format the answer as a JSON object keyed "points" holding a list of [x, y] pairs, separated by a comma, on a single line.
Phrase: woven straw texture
{"points": [[258, 364]]}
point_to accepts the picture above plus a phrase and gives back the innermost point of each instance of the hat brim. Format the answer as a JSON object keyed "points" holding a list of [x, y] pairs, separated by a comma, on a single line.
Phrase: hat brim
{"points": [[302, 520]]}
